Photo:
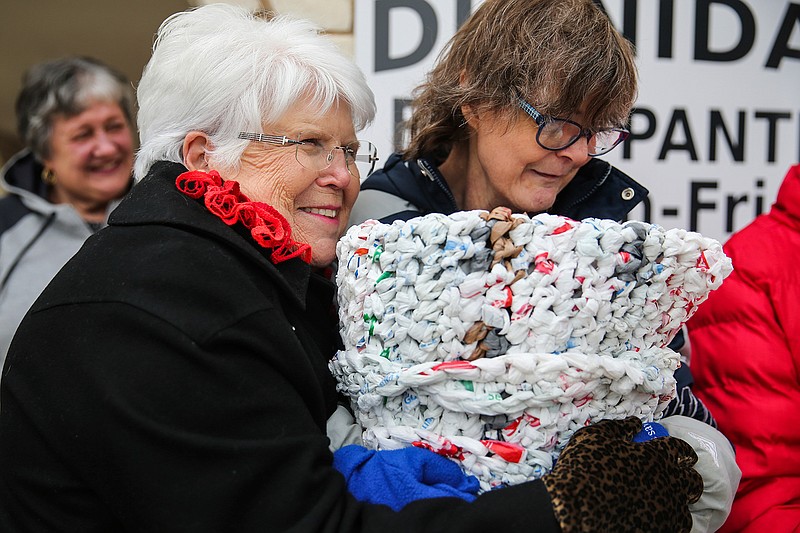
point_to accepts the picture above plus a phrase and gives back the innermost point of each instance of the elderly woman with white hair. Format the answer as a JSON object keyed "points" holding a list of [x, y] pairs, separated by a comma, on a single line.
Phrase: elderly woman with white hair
{"points": [[174, 375]]}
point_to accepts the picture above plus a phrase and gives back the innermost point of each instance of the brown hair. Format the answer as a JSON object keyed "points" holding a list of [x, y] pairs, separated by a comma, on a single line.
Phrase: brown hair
{"points": [[556, 54]]}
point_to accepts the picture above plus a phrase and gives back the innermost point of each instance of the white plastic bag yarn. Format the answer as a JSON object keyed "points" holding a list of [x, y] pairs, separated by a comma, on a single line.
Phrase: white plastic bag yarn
{"points": [[491, 338]]}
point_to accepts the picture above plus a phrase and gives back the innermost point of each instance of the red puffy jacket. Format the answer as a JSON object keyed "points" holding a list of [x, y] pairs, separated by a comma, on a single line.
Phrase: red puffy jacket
{"points": [[746, 362]]}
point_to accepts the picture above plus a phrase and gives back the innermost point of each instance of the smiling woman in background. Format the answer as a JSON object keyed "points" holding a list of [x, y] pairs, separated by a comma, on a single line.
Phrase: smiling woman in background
{"points": [[74, 116]]}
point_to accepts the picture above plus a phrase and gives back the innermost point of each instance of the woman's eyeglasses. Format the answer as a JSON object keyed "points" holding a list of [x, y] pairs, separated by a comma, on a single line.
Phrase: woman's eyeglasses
{"points": [[559, 133], [316, 154]]}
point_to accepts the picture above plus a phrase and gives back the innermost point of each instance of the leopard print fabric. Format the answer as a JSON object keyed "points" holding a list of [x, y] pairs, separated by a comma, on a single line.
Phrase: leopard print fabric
{"points": [[604, 482]]}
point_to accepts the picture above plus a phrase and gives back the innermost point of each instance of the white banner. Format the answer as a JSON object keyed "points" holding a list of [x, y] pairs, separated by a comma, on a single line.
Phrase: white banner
{"points": [[717, 122]]}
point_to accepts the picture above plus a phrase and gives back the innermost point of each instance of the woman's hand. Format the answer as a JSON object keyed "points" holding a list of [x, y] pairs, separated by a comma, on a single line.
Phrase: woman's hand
{"points": [[399, 477], [603, 481]]}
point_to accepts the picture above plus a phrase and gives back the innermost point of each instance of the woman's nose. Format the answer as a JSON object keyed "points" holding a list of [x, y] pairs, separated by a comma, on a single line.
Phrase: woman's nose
{"points": [[337, 173], [105, 144], [577, 151]]}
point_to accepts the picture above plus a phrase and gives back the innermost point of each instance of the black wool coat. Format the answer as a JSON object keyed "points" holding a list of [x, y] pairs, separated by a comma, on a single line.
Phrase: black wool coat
{"points": [[171, 378]]}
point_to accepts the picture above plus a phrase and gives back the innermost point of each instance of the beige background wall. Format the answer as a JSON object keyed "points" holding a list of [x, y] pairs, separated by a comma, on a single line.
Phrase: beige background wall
{"points": [[117, 32]]}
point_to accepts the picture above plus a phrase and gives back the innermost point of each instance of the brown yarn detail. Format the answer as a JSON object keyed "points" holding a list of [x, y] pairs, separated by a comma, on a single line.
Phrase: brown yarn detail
{"points": [[504, 249], [502, 245], [477, 332]]}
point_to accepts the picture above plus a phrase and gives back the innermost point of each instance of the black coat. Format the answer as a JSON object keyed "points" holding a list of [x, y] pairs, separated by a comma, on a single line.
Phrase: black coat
{"points": [[171, 378], [598, 190]]}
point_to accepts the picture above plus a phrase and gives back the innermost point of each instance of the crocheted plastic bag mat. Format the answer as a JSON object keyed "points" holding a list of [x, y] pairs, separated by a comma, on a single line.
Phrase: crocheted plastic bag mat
{"points": [[491, 338]]}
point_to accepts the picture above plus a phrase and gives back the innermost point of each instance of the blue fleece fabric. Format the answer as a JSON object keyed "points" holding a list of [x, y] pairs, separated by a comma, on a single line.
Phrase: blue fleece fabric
{"points": [[399, 477]]}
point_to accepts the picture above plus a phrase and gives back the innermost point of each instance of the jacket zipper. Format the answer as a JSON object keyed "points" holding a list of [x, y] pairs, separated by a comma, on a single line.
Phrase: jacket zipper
{"points": [[432, 174], [49, 220]]}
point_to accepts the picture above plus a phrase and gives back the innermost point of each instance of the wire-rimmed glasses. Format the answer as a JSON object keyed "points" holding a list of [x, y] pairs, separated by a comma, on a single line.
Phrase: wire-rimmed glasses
{"points": [[314, 153], [560, 133]]}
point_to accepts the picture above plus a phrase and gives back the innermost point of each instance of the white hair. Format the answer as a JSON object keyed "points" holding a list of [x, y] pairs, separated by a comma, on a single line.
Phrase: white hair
{"points": [[221, 69]]}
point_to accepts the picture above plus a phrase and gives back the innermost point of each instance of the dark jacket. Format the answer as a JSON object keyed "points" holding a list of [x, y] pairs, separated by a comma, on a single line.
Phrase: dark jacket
{"points": [[598, 190], [183, 386]]}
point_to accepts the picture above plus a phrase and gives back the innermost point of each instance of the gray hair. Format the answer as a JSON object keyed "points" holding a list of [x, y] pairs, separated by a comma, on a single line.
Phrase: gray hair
{"points": [[66, 86], [221, 69]]}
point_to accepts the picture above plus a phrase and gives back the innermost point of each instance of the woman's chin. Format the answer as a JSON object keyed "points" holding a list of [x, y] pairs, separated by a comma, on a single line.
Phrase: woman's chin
{"points": [[321, 260]]}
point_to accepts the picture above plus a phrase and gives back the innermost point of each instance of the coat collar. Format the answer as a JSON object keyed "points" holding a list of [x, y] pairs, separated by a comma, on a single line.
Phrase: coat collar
{"points": [[598, 190], [22, 175], [156, 201]]}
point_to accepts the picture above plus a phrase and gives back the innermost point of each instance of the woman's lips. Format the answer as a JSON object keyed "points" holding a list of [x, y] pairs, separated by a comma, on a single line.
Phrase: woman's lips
{"points": [[321, 211], [106, 168]]}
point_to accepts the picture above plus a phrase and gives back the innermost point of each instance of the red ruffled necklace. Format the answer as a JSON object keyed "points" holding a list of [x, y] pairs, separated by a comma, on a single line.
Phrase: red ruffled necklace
{"points": [[224, 199]]}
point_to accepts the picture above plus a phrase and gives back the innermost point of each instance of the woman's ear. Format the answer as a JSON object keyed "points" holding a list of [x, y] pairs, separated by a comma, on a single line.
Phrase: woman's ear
{"points": [[195, 150], [470, 117], [466, 109]]}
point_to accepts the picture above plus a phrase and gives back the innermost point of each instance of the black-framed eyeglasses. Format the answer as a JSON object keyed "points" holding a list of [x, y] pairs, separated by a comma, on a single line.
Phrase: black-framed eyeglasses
{"points": [[560, 133], [314, 153]]}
